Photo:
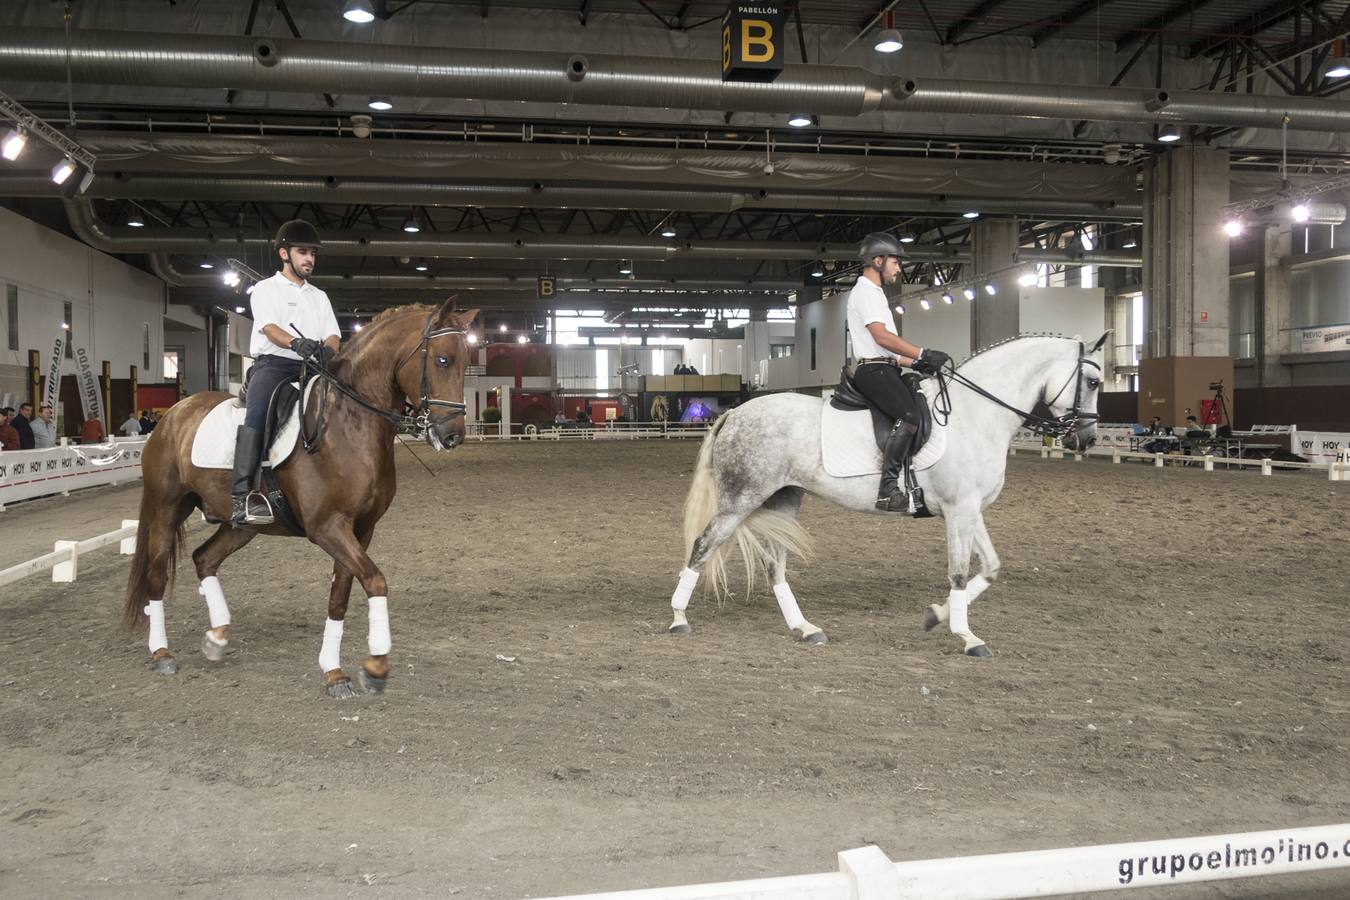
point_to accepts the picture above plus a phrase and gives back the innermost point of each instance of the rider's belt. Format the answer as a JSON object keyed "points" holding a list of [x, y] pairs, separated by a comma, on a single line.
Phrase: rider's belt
{"points": [[885, 360]]}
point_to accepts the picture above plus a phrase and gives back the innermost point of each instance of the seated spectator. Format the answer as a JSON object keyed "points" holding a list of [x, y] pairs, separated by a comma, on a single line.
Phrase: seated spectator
{"points": [[131, 427], [1192, 428], [92, 432], [9, 436]]}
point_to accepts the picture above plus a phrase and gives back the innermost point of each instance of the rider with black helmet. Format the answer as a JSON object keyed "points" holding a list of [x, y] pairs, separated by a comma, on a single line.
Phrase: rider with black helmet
{"points": [[878, 353], [285, 307]]}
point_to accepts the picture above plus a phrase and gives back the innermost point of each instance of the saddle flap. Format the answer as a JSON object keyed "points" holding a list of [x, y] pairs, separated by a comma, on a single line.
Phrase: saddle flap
{"points": [[846, 451]]}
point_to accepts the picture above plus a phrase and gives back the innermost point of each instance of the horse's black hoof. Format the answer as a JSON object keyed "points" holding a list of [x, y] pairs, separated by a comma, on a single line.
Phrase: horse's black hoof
{"points": [[930, 619], [980, 650], [370, 684], [341, 690], [164, 665], [680, 629], [816, 639]]}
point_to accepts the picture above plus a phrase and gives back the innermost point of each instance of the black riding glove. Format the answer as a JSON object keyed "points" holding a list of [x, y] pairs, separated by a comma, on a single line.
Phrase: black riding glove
{"points": [[932, 361], [325, 355], [305, 347]]}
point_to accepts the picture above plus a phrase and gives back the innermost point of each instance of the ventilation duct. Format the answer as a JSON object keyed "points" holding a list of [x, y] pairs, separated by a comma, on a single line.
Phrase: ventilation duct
{"points": [[361, 69]]}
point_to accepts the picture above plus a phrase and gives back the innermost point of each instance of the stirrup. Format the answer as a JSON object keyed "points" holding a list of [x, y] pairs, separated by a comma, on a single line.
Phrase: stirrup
{"points": [[257, 515]]}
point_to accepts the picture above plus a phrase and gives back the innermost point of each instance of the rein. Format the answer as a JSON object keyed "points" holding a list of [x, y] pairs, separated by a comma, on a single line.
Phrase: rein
{"points": [[1059, 426], [416, 420]]}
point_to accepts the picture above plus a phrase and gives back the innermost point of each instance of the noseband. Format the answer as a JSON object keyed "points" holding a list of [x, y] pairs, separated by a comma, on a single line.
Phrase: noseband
{"points": [[1060, 426]]}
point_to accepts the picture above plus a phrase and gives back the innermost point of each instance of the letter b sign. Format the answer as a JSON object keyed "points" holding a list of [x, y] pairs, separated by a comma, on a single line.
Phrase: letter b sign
{"points": [[750, 42], [548, 286]]}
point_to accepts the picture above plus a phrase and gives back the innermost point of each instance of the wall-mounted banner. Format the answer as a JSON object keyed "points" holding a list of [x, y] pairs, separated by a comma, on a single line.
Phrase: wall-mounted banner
{"points": [[1321, 446], [91, 396], [1325, 340], [752, 42], [52, 391]]}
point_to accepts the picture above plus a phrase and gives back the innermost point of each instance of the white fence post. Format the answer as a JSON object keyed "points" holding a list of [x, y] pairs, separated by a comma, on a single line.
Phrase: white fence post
{"points": [[1158, 461], [65, 571], [1209, 462], [1115, 455], [871, 875], [1265, 467], [128, 544]]}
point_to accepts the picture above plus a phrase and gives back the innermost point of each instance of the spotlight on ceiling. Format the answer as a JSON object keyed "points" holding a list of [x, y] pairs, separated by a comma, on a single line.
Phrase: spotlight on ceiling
{"points": [[925, 304], [356, 326], [1027, 280], [206, 264], [522, 339], [135, 221], [410, 225], [14, 144], [668, 230], [421, 268], [473, 338], [1130, 244], [972, 214], [968, 293], [380, 104], [990, 289], [1300, 212], [626, 267], [502, 327], [359, 12], [230, 277], [1169, 134], [947, 299], [1233, 227], [1338, 67], [900, 308], [799, 120], [239, 309], [63, 170], [889, 41], [906, 238], [817, 270]]}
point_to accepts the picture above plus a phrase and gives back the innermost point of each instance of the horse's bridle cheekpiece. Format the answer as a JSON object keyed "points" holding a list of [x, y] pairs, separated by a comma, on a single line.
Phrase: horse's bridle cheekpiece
{"points": [[418, 420]]}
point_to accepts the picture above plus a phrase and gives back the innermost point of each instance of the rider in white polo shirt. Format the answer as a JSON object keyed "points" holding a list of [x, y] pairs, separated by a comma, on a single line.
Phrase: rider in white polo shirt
{"points": [[285, 307], [878, 353]]}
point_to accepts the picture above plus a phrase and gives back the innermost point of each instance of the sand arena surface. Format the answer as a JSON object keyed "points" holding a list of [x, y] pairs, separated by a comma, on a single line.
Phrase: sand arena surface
{"points": [[1170, 660]]}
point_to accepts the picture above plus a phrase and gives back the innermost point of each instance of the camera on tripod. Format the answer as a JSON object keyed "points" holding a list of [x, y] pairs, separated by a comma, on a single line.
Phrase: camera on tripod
{"points": [[1216, 385]]}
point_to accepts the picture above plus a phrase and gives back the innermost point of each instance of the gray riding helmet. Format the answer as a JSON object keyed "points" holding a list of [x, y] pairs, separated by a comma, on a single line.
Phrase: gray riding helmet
{"points": [[879, 243]]}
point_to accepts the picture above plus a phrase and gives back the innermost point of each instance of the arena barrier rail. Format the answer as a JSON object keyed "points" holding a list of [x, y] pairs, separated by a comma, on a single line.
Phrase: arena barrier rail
{"points": [[867, 874], [605, 431], [1337, 470], [59, 470], [64, 561]]}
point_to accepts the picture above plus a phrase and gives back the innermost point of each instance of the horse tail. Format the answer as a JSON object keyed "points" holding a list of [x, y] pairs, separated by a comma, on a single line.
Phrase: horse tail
{"points": [[758, 537]]}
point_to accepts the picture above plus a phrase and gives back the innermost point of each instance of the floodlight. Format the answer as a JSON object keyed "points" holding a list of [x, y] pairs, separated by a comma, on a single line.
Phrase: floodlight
{"points": [[947, 299], [799, 120], [969, 293], [990, 289], [889, 41], [1300, 211], [63, 170], [1233, 227], [1027, 280], [668, 231], [381, 104], [521, 339], [135, 221], [1168, 134], [359, 12], [900, 308], [970, 214], [206, 264], [626, 267], [14, 144], [925, 304], [410, 225], [906, 238], [1338, 67]]}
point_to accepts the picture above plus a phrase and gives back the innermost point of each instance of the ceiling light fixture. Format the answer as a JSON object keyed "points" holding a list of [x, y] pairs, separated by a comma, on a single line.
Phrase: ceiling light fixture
{"points": [[473, 338], [990, 289], [906, 238], [380, 104], [63, 170], [358, 12], [1338, 67], [230, 277], [889, 41], [421, 268], [972, 214], [947, 299], [968, 293], [14, 143], [1300, 211], [239, 310], [1130, 244], [206, 264], [925, 304], [522, 339], [900, 308], [1233, 227], [135, 221], [410, 225], [502, 327], [1169, 134], [626, 268], [1027, 280], [817, 270], [668, 230], [799, 120]]}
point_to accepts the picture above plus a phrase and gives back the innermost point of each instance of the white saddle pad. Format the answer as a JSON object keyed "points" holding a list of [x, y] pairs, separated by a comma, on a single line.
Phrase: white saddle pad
{"points": [[213, 445], [848, 446]]}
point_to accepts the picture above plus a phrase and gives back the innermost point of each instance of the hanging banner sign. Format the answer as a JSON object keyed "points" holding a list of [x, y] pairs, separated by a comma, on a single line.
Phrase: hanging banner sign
{"points": [[91, 397], [752, 42], [1325, 340], [52, 390]]}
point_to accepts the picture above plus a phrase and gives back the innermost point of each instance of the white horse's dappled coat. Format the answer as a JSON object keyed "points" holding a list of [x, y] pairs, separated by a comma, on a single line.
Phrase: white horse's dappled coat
{"points": [[762, 457]]}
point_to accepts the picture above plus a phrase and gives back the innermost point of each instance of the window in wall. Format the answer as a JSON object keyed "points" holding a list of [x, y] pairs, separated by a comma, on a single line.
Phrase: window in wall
{"points": [[171, 361], [601, 370], [70, 330], [813, 349], [1137, 323], [12, 314], [1087, 276], [145, 347], [658, 362], [778, 351]]}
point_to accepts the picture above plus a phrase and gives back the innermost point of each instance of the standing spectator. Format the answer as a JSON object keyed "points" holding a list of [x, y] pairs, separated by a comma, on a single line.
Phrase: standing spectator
{"points": [[132, 426], [147, 424], [9, 438], [92, 432], [22, 425], [44, 429]]}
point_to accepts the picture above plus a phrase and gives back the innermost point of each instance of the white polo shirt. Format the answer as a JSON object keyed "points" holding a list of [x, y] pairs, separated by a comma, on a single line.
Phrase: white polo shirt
{"points": [[867, 303], [292, 307]]}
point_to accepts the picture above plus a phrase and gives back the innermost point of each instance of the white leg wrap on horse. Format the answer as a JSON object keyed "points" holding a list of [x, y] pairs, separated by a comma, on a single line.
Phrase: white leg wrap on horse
{"points": [[215, 601], [380, 640], [684, 590], [956, 616], [792, 614], [159, 639], [975, 587], [330, 657]]}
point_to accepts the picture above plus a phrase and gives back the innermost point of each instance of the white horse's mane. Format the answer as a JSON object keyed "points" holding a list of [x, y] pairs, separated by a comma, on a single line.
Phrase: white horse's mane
{"points": [[1016, 337]]}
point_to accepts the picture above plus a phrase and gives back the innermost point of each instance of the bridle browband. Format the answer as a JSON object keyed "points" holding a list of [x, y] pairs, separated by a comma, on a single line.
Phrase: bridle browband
{"points": [[1059, 426], [416, 420]]}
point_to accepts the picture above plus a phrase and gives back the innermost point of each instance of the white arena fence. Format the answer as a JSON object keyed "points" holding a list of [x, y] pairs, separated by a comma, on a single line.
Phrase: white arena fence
{"points": [[602, 431], [64, 561], [866, 873], [59, 470]]}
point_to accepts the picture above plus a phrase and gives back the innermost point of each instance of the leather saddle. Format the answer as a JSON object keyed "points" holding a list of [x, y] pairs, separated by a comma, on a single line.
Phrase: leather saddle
{"points": [[280, 405], [848, 397]]}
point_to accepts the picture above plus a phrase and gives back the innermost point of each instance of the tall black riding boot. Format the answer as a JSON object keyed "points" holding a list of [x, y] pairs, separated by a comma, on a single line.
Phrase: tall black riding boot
{"points": [[891, 497], [245, 508]]}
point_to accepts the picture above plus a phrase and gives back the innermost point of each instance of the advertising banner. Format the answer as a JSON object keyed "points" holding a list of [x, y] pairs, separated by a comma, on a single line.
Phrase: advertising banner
{"points": [[91, 397], [1325, 340], [52, 390]]}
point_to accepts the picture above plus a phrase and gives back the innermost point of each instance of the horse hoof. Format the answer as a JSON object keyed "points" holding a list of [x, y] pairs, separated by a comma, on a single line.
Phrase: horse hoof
{"points": [[979, 650], [164, 665], [682, 628], [341, 690], [370, 684], [212, 650], [930, 619], [816, 639]]}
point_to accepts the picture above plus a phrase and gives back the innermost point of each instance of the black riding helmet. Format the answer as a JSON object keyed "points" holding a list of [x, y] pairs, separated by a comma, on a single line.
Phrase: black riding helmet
{"points": [[296, 233], [879, 243]]}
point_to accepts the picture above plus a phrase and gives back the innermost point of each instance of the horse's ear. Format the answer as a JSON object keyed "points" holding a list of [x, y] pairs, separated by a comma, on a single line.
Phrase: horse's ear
{"points": [[465, 319], [1101, 341], [446, 313]]}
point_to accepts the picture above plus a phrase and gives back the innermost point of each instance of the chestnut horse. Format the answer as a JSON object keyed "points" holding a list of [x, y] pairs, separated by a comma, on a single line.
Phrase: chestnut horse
{"points": [[337, 492]]}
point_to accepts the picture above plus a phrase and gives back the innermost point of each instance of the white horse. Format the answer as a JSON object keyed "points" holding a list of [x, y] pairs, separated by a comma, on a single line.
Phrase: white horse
{"points": [[759, 460]]}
